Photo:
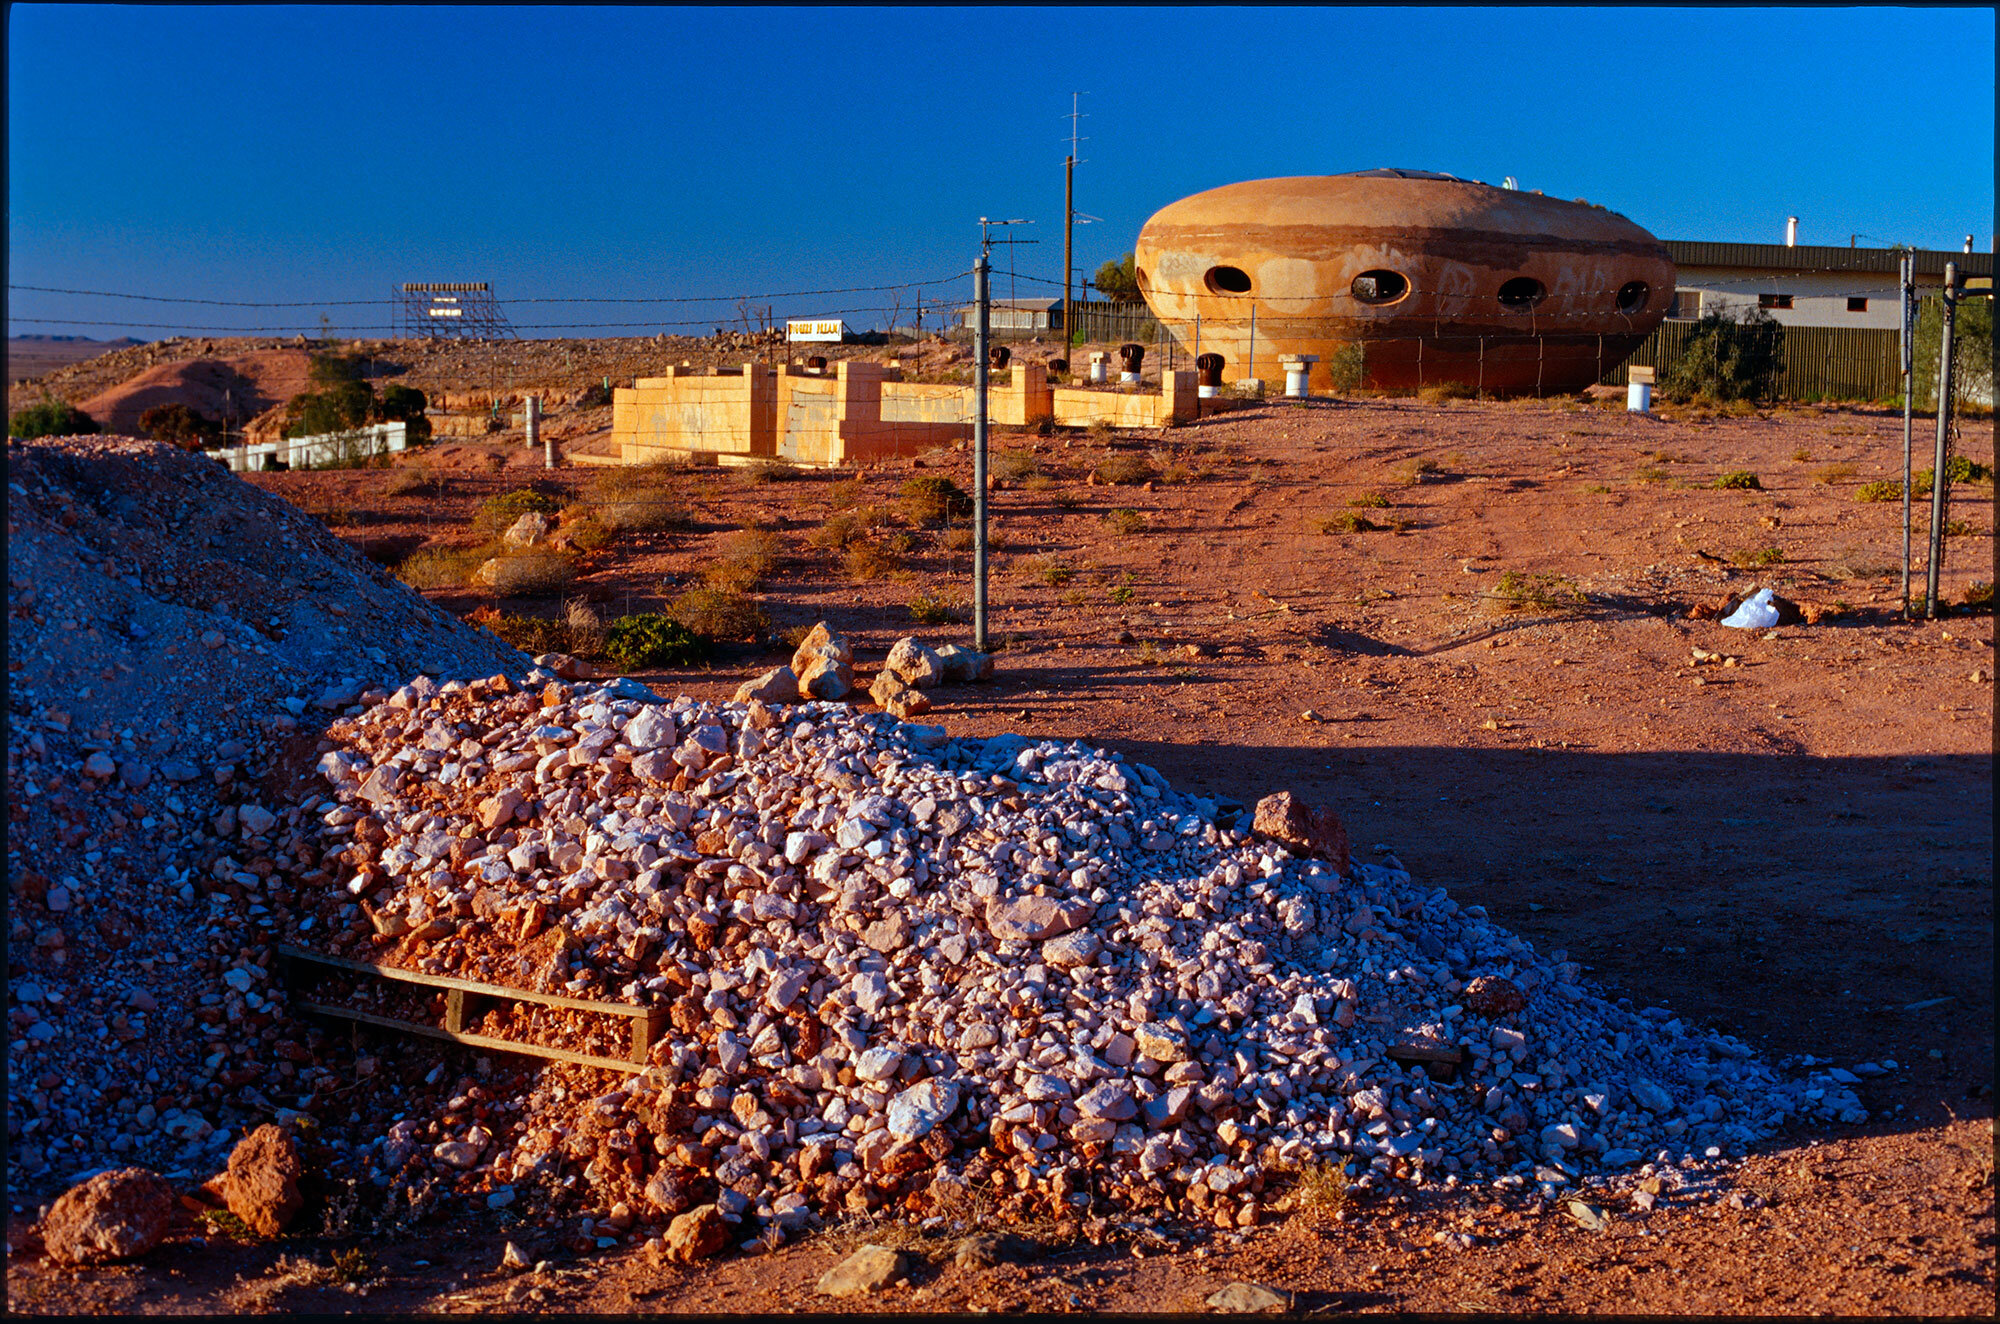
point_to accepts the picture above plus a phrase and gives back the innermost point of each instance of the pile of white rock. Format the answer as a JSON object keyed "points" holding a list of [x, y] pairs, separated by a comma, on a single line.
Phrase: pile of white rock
{"points": [[900, 963]]}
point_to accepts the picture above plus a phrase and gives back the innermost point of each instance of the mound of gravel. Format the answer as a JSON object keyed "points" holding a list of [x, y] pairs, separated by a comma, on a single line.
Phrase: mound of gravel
{"points": [[899, 966], [173, 635]]}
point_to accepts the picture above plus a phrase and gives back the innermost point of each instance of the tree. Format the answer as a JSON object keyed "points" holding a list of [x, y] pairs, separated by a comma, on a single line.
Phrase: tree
{"points": [[51, 418], [1118, 282], [1971, 351], [1729, 358], [405, 405], [178, 425], [342, 407]]}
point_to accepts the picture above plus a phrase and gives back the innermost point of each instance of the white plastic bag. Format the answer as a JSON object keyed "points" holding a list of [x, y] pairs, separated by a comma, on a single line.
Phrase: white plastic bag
{"points": [[1756, 613]]}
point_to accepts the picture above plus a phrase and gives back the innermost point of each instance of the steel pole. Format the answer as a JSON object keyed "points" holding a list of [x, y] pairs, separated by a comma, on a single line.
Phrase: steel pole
{"points": [[981, 296], [1909, 387], [1939, 481]]}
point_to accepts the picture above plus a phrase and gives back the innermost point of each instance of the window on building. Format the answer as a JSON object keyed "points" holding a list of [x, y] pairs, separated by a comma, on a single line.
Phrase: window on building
{"points": [[1687, 303], [1855, 305], [1774, 301]]}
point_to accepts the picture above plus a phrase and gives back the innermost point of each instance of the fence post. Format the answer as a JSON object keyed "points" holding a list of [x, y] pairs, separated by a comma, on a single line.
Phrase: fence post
{"points": [[1906, 336], [1940, 481], [981, 296]]}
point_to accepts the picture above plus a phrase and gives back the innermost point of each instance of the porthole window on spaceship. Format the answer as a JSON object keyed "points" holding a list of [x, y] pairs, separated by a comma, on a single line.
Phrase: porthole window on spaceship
{"points": [[1227, 280], [1522, 292], [1379, 287], [1142, 280], [1632, 296]]}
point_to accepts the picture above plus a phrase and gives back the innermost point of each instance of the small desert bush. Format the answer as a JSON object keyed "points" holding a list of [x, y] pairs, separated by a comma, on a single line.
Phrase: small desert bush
{"points": [[1979, 596], [1649, 473], [1738, 480], [1518, 591], [414, 480], [1370, 501], [1322, 1187], [614, 481], [928, 606], [718, 614], [1833, 473], [1416, 470], [1125, 521], [843, 528], [586, 628], [440, 567], [532, 573], [1443, 391], [1051, 570], [1961, 528], [652, 510], [584, 530], [1349, 522], [848, 492], [1037, 482], [1014, 466], [650, 639], [499, 513], [742, 560], [1759, 556], [767, 471], [533, 635], [1802, 455], [1126, 470], [1887, 490], [874, 558], [1067, 499], [931, 500]]}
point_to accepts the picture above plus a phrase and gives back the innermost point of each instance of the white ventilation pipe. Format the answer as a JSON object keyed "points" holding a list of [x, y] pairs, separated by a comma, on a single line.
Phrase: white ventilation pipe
{"points": [[1098, 371], [1791, 232]]}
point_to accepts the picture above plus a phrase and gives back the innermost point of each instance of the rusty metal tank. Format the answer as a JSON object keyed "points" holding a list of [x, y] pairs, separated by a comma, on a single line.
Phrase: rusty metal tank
{"points": [[1403, 279]]}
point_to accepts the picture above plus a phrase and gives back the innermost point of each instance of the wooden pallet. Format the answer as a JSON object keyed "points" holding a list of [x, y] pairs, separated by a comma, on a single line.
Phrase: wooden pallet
{"points": [[461, 996]]}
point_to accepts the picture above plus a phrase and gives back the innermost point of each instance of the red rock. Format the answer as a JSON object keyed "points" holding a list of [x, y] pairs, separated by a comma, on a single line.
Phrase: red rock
{"points": [[262, 1183], [113, 1216], [1490, 995], [1302, 828], [697, 1234]]}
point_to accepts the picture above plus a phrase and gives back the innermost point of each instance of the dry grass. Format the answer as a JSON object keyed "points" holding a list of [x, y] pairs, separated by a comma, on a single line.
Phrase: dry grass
{"points": [[1048, 568], [532, 573], [440, 567], [1416, 470], [719, 614], [929, 606], [1521, 592], [877, 558], [1126, 470], [1834, 473], [742, 560], [1014, 466], [844, 528]]}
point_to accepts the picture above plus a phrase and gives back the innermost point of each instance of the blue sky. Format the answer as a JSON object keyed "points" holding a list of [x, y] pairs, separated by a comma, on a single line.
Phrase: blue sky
{"points": [[322, 154]]}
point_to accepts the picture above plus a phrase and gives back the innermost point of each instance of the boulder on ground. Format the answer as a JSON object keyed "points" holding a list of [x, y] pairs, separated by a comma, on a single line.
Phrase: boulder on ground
{"points": [[262, 1182], [961, 664], [528, 530], [897, 697], [869, 1269], [915, 662], [113, 1216], [826, 676], [567, 667], [1304, 829], [1247, 1299], [697, 1234], [778, 685], [820, 640]]}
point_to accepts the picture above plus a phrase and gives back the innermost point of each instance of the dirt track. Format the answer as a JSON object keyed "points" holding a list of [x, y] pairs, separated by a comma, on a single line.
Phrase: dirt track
{"points": [[1796, 847]]}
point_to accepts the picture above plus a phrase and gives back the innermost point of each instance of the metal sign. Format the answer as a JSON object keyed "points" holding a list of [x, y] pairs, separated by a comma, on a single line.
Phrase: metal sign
{"points": [[817, 328]]}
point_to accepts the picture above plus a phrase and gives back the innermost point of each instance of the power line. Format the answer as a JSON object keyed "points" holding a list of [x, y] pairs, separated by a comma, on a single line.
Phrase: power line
{"points": [[362, 303]]}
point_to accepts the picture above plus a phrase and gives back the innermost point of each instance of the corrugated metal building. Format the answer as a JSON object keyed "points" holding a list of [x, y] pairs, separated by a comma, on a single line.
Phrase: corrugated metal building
{"points": [[1806, 285]]}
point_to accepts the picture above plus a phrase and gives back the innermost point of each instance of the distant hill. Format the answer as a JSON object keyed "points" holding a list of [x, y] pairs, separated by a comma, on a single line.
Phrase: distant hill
{"points": [[31, 356]]}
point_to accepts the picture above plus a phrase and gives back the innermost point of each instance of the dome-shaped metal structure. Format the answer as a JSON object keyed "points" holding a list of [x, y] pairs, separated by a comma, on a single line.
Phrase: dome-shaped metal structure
{"points": [[1400, 279]]}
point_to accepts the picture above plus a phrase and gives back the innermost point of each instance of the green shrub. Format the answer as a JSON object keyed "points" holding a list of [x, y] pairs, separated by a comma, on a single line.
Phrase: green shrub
{"points": [[178, 425], [582, 529], [931, 500], [1738, 480], [1728, 359], [931, 607], [1125, 521], [1370, 501], [844, 528], [650, 639], [1760, 556], [1348, 522], [1049, 569], [496, 514], [1518, 591], [533, 635], [1887, 490], [718, 614], [1013, 466], [51, 418]]}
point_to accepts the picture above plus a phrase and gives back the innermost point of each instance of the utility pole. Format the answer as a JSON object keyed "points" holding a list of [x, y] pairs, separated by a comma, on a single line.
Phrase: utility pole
{"points": [[1069, 216]]}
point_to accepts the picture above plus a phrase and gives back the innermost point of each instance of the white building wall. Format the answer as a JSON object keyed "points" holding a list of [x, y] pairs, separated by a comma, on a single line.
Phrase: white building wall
{"points": [[1819, 298]]}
